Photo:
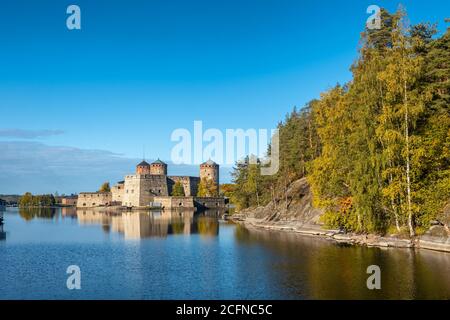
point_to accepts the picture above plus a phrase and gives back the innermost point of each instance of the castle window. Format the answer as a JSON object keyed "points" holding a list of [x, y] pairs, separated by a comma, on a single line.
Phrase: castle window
{"points": [[132, 191]]}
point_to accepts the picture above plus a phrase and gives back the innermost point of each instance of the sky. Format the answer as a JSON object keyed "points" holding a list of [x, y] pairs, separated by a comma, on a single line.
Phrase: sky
{"points": [[78, 107]]}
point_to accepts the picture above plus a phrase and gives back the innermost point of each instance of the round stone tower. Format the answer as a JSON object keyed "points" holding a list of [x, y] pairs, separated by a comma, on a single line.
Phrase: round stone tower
{"points": [[143, 168], [158, 168], [210, 171]]}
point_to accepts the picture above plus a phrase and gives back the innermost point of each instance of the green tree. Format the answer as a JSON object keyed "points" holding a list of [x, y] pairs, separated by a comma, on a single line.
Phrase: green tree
{"points": [[207, 188], [202, 188], [26, 200], [178, 190], [376, 150], [212, 187], [404, 103], [227, 189], [105, 187], [434, 150]]}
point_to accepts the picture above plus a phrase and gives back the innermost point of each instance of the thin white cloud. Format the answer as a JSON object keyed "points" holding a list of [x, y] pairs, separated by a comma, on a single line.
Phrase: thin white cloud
{"points": [[39, 168], [28, 134]]}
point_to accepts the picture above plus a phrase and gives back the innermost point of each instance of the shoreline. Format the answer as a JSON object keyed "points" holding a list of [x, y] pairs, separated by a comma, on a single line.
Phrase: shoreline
{"points": [[369, 240]]}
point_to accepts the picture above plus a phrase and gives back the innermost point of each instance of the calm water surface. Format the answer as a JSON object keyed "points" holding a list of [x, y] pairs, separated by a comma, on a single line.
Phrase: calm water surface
{"points": [[172, 256]]}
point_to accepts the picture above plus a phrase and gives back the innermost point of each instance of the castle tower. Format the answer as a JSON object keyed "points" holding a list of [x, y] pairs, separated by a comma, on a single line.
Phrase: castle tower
{"points": [[143, 168], [158, 168], [210, 171]]}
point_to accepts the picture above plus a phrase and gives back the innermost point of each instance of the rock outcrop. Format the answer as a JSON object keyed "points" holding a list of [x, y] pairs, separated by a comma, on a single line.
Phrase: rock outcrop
{"points": [[296, 207], [296, 213]]}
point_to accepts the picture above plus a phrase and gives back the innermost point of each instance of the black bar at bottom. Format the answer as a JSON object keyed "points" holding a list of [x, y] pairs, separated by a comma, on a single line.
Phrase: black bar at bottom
{"points": [[225, 309]]}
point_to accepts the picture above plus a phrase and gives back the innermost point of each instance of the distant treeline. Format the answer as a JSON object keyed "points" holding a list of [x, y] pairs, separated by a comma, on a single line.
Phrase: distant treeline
{"points": [[10, 199], [29, 200], [376, 150]]}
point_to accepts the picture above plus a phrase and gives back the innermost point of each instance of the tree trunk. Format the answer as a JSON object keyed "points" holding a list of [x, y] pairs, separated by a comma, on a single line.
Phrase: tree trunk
{"points": [[272, 191], [408, 166], [286, 192], [310, 135], [394, 207], [257, 193]]}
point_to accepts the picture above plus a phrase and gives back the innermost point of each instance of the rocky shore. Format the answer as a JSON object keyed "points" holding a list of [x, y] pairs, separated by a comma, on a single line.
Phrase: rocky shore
{"points": [[300, 217], [427, 241]]}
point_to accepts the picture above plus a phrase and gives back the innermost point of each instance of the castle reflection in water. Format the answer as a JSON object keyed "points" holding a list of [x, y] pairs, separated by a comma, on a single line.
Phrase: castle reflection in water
{"points": [[147, 224]]}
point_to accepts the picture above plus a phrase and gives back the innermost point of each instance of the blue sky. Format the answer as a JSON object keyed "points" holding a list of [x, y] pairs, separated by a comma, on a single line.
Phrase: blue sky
{"points": [[140, 69]]}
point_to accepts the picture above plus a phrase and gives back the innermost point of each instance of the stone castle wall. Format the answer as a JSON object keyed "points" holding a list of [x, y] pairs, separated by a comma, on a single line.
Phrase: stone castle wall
{"points": [[94, 199], [144, 169], [210, 172], [118, 192], [158, 169], [141, 189], [175, 202], [69, 201], [131, 191]]}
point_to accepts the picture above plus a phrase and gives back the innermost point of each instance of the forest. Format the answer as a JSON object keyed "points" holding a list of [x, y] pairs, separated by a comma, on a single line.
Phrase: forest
{"points": [[375, 150]]}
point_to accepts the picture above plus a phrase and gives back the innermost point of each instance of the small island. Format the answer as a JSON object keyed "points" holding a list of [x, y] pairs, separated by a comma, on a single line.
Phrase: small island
{"points": [[151, 187]]}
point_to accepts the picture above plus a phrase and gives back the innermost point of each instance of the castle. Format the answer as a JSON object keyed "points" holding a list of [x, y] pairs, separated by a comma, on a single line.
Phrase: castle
{"points": [[150, 186]]}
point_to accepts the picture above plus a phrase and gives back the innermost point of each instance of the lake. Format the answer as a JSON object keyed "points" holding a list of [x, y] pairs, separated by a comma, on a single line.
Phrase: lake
{"points": [[172, 255]]}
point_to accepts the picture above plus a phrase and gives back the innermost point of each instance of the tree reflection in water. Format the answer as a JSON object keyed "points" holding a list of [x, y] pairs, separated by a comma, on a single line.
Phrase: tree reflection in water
{"points": [[331, 271], [41, 213], [208, 226]]}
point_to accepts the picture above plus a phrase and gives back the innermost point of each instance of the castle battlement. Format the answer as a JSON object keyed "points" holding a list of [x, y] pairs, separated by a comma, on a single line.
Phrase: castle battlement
{"points": [[151, 181]]}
